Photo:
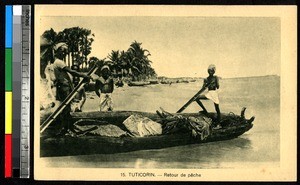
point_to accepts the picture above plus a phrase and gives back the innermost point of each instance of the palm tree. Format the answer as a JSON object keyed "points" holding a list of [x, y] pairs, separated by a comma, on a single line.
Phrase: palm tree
{"points": [[114, 60], [125, 63], [79, 41], [65, 36], [140, 60], [95, 61], [79, 44], [49, 39], [84, 44]]}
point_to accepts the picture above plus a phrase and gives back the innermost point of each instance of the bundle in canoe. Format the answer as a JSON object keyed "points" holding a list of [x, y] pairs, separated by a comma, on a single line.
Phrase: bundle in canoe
{"points": [[233, 126]]}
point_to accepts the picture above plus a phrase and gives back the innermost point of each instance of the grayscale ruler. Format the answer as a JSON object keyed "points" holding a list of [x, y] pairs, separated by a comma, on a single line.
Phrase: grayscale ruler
{"points": [[25, 93], [16, 88]]}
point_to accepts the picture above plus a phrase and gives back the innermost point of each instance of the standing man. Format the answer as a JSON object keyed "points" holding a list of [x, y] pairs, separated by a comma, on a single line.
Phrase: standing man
{"points": [[212, 84], [104, 88], [64, 85]]}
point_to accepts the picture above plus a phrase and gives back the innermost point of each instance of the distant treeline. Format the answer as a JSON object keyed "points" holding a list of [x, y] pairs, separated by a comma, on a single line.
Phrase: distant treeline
{"points": [[132, 63]]}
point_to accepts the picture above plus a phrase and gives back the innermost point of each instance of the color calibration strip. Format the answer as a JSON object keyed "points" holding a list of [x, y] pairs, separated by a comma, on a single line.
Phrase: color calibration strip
{"points": [[17, 90], [25, 92], [8, 91]]}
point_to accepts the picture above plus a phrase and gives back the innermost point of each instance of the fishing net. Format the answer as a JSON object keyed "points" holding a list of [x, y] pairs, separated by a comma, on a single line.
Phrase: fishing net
{"points": [[232, 120], [84, 127], [199, 127]]}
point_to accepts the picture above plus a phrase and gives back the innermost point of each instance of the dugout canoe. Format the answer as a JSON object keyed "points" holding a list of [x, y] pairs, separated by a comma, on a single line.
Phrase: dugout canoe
{"points": [[86, 145], [153, 82], [138, 83]]}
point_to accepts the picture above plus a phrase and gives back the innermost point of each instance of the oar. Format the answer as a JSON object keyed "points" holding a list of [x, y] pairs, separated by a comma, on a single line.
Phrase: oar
{"points": [[191, 100], [63, 105]]}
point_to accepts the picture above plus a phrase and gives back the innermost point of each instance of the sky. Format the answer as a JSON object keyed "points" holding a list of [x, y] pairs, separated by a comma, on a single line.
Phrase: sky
{"points": [[186, 46]]}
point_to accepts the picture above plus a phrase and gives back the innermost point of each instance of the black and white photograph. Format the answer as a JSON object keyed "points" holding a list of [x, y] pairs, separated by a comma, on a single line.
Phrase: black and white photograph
{"points": [[172, 93]]}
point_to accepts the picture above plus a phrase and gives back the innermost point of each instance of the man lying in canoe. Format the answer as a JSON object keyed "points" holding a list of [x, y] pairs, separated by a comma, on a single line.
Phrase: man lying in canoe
{"points": [[212, 83]]}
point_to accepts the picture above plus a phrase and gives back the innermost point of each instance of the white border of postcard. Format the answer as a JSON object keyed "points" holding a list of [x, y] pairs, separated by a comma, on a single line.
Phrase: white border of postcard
{"points": [[288, 119]]}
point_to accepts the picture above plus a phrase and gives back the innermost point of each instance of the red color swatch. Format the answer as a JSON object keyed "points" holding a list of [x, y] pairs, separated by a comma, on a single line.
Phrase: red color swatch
{"points": [[8, 155]]}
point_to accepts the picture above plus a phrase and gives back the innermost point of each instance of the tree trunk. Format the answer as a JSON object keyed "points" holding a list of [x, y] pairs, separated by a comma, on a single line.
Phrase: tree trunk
{"points": [[69, 64], [72, 54]]}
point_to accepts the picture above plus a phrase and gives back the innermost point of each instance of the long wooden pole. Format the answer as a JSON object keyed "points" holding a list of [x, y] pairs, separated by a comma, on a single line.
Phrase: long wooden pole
{"points": [[63, 105], [191, 100]]}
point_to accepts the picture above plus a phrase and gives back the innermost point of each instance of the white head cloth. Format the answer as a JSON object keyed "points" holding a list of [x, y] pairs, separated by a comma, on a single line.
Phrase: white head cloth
{"points": [[59, 45], [105, 67], [212, 67]]}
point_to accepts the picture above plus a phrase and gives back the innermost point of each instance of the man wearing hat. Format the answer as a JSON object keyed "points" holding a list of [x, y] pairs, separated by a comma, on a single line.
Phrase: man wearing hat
{"points": [[104, 87], [212, 84], [64, 84]]}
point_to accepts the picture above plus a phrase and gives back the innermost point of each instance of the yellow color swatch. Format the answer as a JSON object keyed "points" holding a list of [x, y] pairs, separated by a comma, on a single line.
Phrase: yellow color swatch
{"points": [[8, 112]]}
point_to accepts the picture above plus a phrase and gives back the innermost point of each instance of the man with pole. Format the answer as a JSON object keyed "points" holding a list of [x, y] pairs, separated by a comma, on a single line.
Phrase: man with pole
{"points": [[64, 85], [212, 84]]}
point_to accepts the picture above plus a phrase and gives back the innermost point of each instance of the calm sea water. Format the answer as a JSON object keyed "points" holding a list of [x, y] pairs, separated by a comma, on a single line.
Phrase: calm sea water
{"points": [[259, 146]]}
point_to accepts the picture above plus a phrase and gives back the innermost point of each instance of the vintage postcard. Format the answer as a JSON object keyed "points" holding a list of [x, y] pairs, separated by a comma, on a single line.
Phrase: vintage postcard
{"points": [[165, 93]]}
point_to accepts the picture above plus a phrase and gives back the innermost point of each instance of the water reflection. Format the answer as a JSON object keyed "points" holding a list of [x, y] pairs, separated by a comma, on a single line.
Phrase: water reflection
{"points": [[189, 156]]}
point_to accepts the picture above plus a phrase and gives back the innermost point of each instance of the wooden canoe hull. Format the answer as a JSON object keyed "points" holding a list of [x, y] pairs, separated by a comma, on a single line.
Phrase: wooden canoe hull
{"points": [[67, 145]]}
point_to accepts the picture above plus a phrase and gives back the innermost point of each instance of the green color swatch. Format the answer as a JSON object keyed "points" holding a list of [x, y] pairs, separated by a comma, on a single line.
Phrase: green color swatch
{"points": [[8, 69]]}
